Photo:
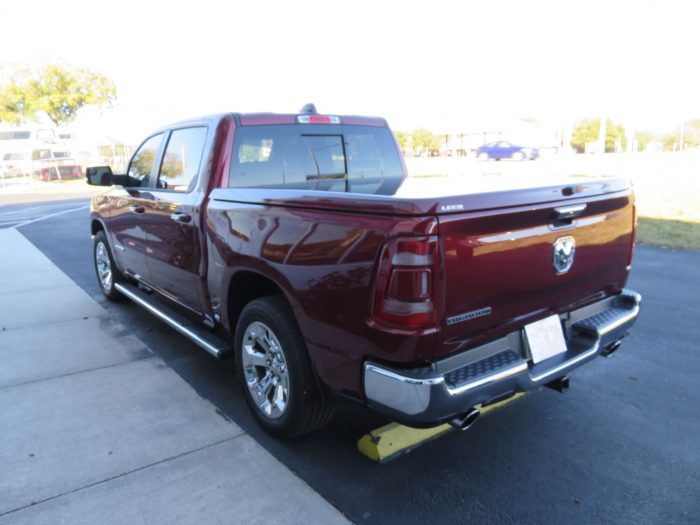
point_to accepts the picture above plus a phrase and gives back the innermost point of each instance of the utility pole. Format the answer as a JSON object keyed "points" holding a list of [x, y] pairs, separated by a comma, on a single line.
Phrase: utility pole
{"points": [[682, 137], [602, 133]]}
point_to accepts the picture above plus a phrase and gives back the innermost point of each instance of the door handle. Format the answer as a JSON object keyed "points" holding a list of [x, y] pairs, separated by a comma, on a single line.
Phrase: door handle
{"points": [[181, 216], [137, 209]]}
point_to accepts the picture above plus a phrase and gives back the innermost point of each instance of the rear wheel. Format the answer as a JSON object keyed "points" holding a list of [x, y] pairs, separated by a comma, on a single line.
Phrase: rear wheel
{"points": [[106, 270], [274, 368]]}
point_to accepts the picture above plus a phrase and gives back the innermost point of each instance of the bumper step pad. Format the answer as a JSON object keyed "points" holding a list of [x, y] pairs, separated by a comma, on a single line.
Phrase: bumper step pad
{"points": [[481, 368], [600, 322]]}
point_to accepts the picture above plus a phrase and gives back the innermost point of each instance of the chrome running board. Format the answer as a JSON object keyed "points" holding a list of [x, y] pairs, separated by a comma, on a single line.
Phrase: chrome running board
{"points": [[210, 342]]}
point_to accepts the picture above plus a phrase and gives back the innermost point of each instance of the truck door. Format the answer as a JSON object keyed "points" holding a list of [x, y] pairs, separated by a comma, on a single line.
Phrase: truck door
{"points": [[173, 254], [127, 218]]}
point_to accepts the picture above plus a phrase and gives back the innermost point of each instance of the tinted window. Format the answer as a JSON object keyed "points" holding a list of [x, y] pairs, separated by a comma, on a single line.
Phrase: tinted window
{"points": [[356, 159], [14, 156], [142, 162], [181, 159], [14, 135]]}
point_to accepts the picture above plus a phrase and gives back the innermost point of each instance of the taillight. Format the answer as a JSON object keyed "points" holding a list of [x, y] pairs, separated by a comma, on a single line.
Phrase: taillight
{"points": [[407, 282]]}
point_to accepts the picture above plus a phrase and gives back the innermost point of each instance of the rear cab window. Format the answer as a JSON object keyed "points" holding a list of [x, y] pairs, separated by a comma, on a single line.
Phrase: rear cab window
{"points": [[344, 158]]}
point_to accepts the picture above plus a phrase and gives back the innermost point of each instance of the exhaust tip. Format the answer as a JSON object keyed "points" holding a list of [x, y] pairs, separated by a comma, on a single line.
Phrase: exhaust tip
{"points": [[464, 421], [612, 347]]}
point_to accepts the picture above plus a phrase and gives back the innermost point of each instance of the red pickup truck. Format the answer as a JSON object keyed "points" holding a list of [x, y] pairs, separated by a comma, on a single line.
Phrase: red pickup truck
{"points": [[297, 244]]}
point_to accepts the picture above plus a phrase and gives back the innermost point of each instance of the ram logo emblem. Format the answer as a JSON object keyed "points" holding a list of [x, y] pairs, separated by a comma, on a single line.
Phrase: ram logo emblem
{"points": [[564, 250]]}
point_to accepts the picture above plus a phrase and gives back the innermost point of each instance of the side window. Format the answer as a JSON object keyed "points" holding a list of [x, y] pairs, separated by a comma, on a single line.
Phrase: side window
{"points": [[182, 158], [141, 164]]}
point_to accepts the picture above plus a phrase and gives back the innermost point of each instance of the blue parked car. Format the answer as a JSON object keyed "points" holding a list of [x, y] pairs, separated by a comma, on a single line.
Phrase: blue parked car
{"points": [[505, 150]]}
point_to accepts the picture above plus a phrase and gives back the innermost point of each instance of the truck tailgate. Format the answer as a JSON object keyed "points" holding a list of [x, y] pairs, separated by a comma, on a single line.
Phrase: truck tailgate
{"points": [[499, 271]]}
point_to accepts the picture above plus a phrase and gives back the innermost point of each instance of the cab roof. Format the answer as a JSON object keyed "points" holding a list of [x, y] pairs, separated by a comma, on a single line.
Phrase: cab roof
{"points": [[265, 119]]}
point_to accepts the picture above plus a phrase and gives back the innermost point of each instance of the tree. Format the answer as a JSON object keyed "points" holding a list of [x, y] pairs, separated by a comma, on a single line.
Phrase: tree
{"points": [[672, 141], [691, 136], [57, 91], [644, 138], [424, 140], [587, 131], [403, 140], [14, 104]]}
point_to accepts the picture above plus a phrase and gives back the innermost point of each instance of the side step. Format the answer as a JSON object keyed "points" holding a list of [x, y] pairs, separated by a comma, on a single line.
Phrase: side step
{"points": [[212, 343]]}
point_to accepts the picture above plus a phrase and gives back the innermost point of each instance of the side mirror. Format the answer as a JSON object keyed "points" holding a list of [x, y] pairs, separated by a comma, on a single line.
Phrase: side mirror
{"points": [[99, 176]]}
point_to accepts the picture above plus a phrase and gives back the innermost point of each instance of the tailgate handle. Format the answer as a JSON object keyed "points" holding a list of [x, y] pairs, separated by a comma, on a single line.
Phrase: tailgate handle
{"points": [[564, 215], [569, 212]]}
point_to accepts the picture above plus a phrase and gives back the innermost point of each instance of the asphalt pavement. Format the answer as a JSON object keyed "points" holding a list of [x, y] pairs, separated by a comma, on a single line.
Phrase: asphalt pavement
{"points": [[621, 446], [19, 214]]}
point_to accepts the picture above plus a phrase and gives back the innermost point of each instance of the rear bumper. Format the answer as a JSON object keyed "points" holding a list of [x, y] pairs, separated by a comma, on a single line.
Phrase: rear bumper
{"points": [[494, 371]]}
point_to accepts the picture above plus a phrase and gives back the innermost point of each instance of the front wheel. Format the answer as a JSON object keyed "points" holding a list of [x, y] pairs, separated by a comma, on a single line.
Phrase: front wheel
{"points": [[483, 156], [106, 270], [274, 368], [518, 155]]}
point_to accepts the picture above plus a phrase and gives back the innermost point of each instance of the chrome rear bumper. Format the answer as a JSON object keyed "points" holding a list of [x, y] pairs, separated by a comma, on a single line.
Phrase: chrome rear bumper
{"points": [[494, 371]]}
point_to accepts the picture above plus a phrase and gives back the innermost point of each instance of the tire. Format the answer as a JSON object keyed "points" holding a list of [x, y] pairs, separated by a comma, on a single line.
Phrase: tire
{"points": [[275, 372], [483, 156], [105, 269], [518, 155]]}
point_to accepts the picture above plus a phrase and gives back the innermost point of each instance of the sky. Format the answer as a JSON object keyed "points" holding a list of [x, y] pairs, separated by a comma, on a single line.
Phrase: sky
{"points": [[445, 65]]}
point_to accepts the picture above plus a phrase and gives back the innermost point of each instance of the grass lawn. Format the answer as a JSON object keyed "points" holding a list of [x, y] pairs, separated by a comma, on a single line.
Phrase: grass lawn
{"points": [[669, 233]]}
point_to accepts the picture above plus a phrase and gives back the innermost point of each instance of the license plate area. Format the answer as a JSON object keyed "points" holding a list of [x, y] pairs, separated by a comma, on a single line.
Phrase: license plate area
{"points": [[545, 338]]}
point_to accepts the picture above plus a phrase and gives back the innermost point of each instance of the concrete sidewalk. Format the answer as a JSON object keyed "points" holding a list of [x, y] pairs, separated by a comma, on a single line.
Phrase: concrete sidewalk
{"points": [[94, 428]]}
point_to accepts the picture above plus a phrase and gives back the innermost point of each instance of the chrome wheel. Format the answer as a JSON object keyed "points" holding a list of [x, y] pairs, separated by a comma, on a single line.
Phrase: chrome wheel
{"points": [[104, 266], [265, 370]]}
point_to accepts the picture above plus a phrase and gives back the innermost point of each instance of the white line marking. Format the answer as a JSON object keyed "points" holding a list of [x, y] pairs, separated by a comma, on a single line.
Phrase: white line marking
{"points": [[23, 212], [25, 223]]}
